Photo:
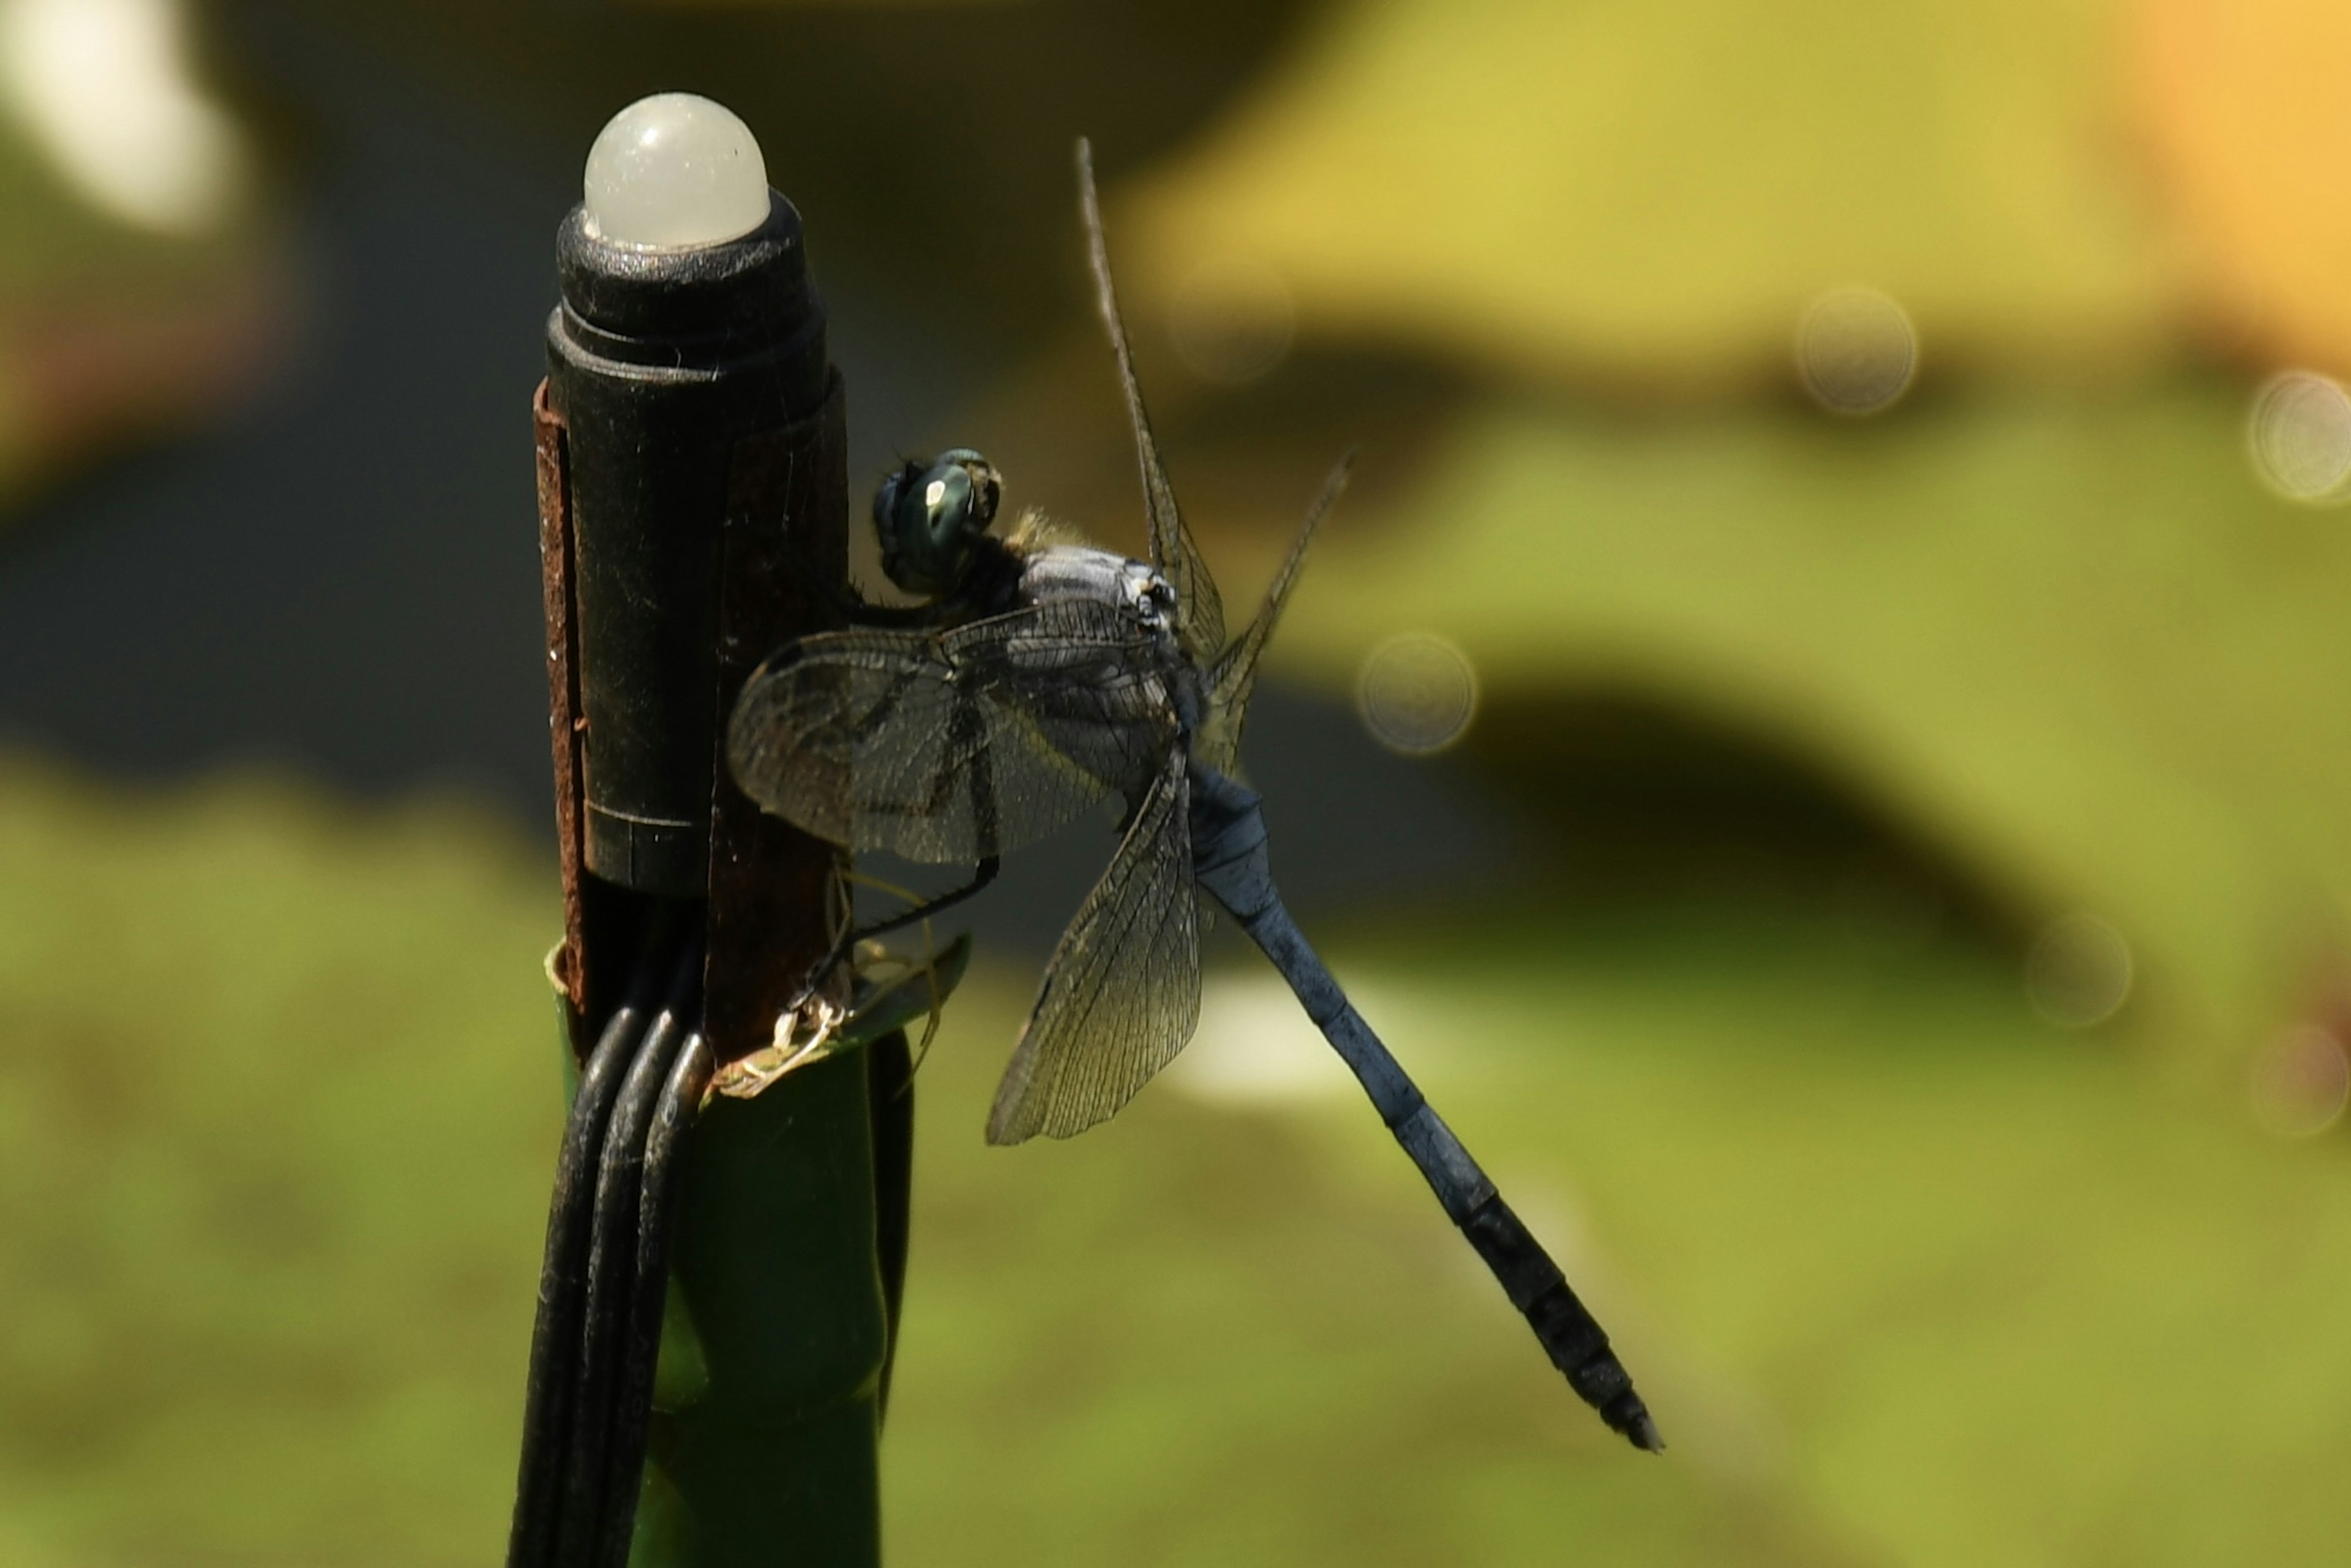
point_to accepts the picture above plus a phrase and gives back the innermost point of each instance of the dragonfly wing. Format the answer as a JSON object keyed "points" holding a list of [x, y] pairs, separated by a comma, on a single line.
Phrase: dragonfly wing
{"points": [[1199, 613], [1234, 676], [1122, 991], [941, 748]]}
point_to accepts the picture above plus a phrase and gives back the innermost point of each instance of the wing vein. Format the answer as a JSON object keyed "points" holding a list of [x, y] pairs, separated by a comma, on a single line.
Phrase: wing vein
{"points": [[1122, 994]]}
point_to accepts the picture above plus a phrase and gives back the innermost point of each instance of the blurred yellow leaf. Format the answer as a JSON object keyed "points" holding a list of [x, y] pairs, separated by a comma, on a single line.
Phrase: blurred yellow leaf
{"points": [[1649, 194], [2073, 638], [2252, 132]]}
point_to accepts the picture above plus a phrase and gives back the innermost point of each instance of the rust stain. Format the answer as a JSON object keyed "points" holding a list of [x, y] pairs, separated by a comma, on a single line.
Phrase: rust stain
{"points": [[564, 721]]}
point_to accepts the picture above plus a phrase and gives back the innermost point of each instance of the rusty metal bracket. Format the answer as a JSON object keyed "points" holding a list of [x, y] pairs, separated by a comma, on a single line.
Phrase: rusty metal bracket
{"points": [[564, 724]]}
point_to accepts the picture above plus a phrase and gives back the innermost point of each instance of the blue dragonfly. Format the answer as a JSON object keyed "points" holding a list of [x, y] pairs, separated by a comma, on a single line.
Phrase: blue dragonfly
{"points": [[1044, 677]]}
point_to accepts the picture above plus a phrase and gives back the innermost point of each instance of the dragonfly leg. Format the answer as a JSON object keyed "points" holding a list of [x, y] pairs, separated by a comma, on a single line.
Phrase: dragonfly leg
{"points": [[982, 874], [852, 934], [967, 728]]}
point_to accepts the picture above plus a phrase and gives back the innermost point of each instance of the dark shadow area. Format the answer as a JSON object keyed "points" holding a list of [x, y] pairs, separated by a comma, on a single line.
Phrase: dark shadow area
{"points": [[1624, 796], [343, 578]]}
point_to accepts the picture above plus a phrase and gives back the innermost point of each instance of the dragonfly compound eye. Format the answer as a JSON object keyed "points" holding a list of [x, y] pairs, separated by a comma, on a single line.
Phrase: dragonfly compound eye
{"points": [[927, 515]]}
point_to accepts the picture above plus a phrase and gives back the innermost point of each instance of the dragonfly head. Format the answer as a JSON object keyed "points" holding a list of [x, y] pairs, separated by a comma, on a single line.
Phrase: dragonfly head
{"points": [[930, 515]]}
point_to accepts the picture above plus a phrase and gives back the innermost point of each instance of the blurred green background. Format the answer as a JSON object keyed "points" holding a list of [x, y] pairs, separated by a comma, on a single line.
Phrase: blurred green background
{"points": [[1886, 916]]}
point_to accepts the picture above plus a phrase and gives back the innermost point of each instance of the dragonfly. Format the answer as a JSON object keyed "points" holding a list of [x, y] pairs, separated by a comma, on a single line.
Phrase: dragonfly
{"points": [[1043, 677]]}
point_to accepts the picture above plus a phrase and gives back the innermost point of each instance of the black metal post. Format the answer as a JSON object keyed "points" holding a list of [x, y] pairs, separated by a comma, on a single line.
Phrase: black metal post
{"points": [[693, 519]]}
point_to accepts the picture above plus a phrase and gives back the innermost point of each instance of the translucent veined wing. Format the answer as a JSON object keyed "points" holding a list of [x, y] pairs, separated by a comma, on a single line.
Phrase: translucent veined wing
{"points": [[1234, 675], [1122, 991], [953, 745], [1199, 613]]}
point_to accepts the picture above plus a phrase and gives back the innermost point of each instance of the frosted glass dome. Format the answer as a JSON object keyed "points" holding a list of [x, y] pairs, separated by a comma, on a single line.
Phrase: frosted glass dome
{"points": [[675, 171]]}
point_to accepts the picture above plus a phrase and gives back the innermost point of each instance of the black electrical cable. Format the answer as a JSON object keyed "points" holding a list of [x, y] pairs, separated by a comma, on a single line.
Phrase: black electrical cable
{"points": [[563, 1274], [673, 1116], [611, 1263]]}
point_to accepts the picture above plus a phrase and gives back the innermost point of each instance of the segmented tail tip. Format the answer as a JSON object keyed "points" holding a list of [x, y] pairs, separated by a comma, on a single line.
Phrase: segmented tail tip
{"points": [[1628, 1415]]}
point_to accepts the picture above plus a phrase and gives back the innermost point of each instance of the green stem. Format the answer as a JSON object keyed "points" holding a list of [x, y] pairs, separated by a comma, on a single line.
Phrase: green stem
{"points": [[770, 1457]]}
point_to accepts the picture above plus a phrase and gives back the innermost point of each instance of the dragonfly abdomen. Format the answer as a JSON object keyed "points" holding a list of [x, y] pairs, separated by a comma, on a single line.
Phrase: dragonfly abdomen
{"points": [[1229, 860], [1568, 1331]]}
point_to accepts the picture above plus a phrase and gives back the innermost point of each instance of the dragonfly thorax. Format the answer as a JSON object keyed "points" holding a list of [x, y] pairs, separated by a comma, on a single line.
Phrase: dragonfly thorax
{"points": [[1147, 693], [1103, 577]]}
